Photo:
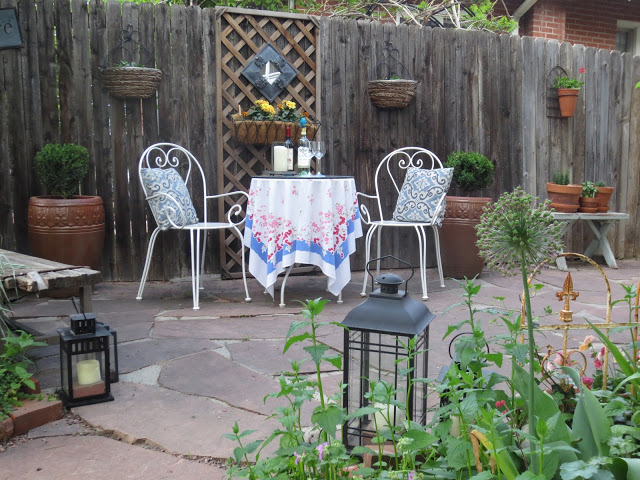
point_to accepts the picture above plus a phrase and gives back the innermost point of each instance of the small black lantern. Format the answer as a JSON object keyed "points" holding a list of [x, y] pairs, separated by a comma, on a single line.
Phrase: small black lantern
{"points": [[85, 371], [376, 330]]}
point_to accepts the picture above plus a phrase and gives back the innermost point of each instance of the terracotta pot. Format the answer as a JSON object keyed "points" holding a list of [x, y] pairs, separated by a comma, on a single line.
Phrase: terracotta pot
{"points": [[69, 231], [458, 236], [588, 205], [603, 196], [567, 98], [564, 198]]}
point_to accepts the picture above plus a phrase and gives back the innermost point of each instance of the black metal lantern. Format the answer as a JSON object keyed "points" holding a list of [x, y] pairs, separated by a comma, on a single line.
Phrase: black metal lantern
{"points": [[85, 371], [376, 330]]}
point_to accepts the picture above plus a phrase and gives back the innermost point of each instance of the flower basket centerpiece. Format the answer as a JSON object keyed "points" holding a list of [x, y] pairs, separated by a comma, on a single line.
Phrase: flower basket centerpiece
{"points": [[127, 78], [393, 88], [568, 89], [262, 124]]}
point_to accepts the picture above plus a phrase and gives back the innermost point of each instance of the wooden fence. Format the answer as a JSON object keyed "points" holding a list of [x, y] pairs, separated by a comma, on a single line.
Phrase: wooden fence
{"points": [[477, 91]]}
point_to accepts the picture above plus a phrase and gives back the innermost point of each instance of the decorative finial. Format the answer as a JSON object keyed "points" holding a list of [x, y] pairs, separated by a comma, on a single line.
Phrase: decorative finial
{"points": [[566, 315]]}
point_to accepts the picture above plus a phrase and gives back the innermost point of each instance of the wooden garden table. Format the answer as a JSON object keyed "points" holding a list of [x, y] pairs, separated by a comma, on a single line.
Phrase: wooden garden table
{"points": [[600, 224], [52, 275]]}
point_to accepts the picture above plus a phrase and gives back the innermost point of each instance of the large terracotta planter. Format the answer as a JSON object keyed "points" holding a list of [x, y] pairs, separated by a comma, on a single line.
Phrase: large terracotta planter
{"points": [[458, 238], [564, 198], [603, 196], [567, 98], [69, 231]]}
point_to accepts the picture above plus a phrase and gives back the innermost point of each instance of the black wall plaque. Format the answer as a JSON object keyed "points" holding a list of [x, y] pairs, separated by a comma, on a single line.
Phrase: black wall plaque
{"points": [[10, 36]]}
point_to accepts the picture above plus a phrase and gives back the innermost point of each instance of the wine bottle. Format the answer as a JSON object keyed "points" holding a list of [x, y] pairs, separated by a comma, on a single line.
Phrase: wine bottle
{"points": [[288, 144], [304, 152]]}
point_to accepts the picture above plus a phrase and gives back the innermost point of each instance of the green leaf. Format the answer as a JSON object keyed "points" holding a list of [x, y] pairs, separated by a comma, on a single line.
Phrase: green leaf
{"points": [[362, 411], [486, 475], [617, 354], [577, 470], [296, 339], [495, 358], [329, 419], [336, 361], [530, 476], [316, 352], [458, 450], [591, 424], [421, 439]]}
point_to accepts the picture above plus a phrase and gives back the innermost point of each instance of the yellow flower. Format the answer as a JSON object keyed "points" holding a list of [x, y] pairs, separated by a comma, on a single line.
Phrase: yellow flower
{"points": [[290, 105]]}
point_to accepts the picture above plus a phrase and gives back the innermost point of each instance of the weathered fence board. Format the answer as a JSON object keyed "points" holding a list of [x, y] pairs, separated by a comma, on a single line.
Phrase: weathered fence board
{"points": [[476, 91]]}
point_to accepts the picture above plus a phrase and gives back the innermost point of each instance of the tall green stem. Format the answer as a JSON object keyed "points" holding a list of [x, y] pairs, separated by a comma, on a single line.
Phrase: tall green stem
{"points": [[527, 305]]}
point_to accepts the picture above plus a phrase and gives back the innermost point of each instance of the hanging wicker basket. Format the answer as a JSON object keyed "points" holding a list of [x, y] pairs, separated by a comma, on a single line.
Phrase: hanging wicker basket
{"points": [[131, 82], [392, 94], [265, 132]]}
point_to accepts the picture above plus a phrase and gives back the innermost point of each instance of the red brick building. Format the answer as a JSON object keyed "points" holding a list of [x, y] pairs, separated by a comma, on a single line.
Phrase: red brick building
{"points": [[607, 24]]}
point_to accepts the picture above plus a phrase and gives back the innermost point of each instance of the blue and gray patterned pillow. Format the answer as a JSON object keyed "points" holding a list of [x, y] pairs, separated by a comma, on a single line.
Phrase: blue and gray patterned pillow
{"points": [[421, 191], [169, 182]]}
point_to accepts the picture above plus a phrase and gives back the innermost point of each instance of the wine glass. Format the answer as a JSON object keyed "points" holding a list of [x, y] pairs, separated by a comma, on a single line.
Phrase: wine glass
{"points": [[319, 150]]}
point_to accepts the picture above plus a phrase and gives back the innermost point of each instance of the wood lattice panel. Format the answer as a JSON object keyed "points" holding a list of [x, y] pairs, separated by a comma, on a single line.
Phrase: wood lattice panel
{"points": [[242, 34]]}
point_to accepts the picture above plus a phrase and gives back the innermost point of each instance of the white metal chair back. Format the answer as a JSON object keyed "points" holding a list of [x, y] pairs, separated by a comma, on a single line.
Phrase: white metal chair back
{"points": [[170, 155], [396, 163]]}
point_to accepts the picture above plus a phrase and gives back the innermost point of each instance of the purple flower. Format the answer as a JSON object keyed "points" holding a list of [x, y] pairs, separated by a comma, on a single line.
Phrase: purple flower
{"points": [[411, 475], [297, 458], [321, 448]]}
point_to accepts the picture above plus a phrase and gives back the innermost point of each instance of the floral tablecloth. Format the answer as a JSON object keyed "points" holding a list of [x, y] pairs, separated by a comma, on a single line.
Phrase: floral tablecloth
{"points": [[302, 220]]}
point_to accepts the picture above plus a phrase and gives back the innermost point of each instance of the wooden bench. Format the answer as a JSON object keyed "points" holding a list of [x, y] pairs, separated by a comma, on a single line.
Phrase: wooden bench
{"points": [[37, 275], [600, 224]]}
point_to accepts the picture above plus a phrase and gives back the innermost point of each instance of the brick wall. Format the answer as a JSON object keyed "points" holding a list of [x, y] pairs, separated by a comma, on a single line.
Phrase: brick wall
{"points": [[592, 23]]}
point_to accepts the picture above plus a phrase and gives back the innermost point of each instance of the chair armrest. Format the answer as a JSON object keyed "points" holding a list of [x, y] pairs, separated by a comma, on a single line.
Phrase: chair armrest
{"points": [[178, 211], [235, 209], [364, 211]]}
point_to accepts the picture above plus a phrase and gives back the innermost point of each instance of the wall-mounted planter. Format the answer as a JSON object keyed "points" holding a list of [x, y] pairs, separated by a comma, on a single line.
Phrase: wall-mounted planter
{"points": [[392, 94], [567, 98], [265, 132]]}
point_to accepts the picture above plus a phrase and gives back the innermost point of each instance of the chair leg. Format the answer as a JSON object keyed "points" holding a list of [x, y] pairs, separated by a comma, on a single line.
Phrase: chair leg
{"points": [[436, 236], [247, 298], [205, 234], [367, 257], [422, 255], [147, 262], [195, 267]]}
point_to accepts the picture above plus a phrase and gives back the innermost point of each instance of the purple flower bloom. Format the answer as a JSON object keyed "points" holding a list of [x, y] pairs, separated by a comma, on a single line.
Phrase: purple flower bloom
{"points": [[411, 475], [297, 458], [321, 448]]}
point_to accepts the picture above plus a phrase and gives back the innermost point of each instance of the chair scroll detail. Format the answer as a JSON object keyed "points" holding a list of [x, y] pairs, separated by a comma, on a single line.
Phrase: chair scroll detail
{"points": [[165, 170], [420, 203]]}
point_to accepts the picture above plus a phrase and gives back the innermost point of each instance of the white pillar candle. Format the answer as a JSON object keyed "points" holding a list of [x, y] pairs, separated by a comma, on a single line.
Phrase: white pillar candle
{"points": [[280, 158], [395, 416], [88, 372]]}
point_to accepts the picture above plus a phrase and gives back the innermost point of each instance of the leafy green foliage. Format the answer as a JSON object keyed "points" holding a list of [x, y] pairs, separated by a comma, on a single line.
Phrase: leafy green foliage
{"points": [[589, 190], [471, 171], [561, 177], [14, 371], [61, 168]]}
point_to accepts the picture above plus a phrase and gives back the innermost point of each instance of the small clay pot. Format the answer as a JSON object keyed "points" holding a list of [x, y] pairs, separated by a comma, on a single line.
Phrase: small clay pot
{"points": [[588, 205]]}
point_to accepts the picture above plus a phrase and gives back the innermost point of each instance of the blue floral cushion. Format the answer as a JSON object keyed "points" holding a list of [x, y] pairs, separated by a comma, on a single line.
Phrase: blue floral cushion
{"points": [[420, 194], [162, 184]]}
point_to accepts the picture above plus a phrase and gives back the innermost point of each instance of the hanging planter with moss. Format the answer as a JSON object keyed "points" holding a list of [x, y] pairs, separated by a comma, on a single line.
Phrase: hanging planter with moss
{"points": [[393, 88], [128, 78]]}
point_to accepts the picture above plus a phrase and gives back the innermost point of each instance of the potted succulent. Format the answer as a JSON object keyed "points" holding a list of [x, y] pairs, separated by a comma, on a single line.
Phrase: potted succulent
{"points": [[603, 196], [588, 201], [63, 226], [568, 89], [563, 194], [472, 172]]}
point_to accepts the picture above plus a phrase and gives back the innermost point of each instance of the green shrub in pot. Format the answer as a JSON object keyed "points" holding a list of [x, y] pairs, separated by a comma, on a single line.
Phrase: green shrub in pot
{"points": [[61, 168], [471, 171]]}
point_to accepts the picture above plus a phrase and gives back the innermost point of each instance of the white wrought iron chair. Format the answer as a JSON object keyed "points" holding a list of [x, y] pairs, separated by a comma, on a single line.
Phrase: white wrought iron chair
{"points": [[420, 203], [165, 170]]}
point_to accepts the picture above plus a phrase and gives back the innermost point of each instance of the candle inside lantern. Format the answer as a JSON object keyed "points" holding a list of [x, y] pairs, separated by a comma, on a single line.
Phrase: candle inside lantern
{"points": [[280, 158], [395, 415], [88, 372]]}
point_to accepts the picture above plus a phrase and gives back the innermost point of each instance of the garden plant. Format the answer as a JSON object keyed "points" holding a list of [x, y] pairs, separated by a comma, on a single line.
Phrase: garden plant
{"points": [[487, 424]]}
